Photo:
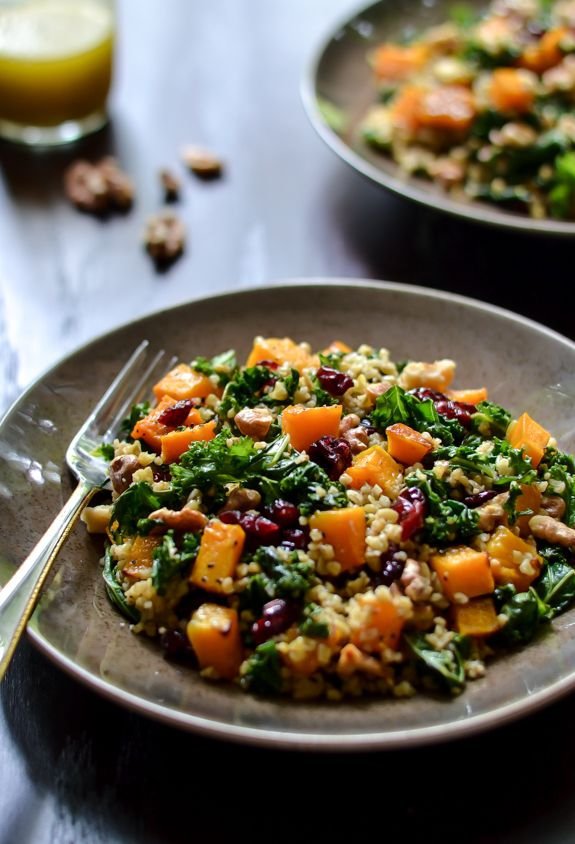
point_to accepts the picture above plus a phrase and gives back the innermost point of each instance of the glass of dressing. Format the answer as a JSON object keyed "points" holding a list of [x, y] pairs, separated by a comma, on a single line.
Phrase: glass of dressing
{"points": [[55, 68]]}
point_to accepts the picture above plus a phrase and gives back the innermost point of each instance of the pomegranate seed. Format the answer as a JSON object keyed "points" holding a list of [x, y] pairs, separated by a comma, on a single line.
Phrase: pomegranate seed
{"points": [[479, 498], [176, 414], [284, 513], [333, 381], [259, 530], [277, 616], [331, 453], [411, 506]]}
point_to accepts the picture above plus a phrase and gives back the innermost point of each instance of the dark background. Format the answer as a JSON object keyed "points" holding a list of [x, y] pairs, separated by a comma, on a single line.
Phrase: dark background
{"points": [[226, 74]]}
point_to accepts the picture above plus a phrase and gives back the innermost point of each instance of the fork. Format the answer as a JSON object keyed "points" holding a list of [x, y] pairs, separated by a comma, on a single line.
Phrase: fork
{"points": [[20, 595]]}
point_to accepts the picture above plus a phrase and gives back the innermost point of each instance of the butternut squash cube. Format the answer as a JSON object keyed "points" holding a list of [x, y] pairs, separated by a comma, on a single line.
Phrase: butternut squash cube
{"points": [[281, 350], [175, 443], [149, 429], [528, 435], [214, 634], [406, 445], [221, 547], [476, 618], [472, 395], [375, 466], [381, 625], [464, 570], [345, 530], [139, 565], [512, 559], [183, 382], [305, 425]]}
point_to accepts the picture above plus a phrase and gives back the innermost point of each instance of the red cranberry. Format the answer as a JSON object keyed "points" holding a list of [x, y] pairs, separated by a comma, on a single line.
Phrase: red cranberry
{"points": [[259, 530], [295, 539], [445, 407], [331, 453], [333, 381], [479, 498], [411, 505], [277, 616], [269, 364], [284, 513], [424, 393], [231, 517], [176, 414]]}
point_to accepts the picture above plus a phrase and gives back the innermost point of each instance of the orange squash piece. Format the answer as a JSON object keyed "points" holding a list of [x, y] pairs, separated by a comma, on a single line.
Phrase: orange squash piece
{"points": [[507, 554], [345, 530], [476, 618], [175, 443], [183, 382], [468, 396], [382, 616], [447, 108], [404, 111], [465, 570], [406, 445], [337, 346], [395, 62], [214, 634], [141, 557], [149, 429], [528, 435], [221, 547], [375, 466], [305, 425], [510, 91], [529, 499], [281, 350], [546, 53]]}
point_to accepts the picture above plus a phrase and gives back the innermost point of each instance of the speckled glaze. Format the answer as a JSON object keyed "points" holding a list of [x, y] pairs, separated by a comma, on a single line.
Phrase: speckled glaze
{"points": [[339, 74], [525, 366]]}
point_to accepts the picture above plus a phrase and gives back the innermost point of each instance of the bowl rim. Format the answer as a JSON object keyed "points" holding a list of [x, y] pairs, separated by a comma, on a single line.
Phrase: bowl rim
{"points": [[294, 740], [407, 186]]}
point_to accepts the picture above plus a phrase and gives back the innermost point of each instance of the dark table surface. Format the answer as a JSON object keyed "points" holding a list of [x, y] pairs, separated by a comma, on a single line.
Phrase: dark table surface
{"points": [[226, 74]]}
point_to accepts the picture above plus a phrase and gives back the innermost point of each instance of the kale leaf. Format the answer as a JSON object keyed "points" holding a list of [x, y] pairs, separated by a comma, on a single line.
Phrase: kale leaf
{"points": [[171, 558], [279, 578], [223, 365], [490, 419], [115, 592], [262, 674], [132, 508], [445, 667], [561, 468], [471, 457], [556, 584], [448, 521], [310, 626], [525, 611], [398, 406], [105, 451], [248, 388]]}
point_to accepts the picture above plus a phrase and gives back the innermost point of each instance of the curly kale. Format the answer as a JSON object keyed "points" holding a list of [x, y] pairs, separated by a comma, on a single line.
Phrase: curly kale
{"points": [[132, 508], [262, 673], [248, 388], [398, 406], [173, 557], [448, 521], [278, 578]]}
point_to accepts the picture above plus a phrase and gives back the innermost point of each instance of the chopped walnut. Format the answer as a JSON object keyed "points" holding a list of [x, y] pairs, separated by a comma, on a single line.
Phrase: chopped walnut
{"points": [[552, 530], [202, 162], [171, 186], [254, 422], [242, 499], [184, 520], [492, 513], [98, 188], [165, 237]]}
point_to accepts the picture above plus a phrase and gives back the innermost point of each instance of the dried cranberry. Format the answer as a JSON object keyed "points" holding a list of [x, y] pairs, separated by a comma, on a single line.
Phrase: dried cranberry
{"points": [[411, 506], [175, 643], [259, 530], [176, 414], [161, 473], [333, 381], [269, 364], [456, 410], [277, 616], [479, 498], [284, 513], [424, 393], [331, 453], [230, 517], [391, 571], [295, 538]]}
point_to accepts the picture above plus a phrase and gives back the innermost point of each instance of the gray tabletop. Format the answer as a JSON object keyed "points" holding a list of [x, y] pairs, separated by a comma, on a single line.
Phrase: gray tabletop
{"points": [[226, 74]]}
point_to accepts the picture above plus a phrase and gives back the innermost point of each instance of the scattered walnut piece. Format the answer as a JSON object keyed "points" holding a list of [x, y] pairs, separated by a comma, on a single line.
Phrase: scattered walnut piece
{"points": [[165, 237], [171, 185], [202, 162], [98, 188], [254, 422]]}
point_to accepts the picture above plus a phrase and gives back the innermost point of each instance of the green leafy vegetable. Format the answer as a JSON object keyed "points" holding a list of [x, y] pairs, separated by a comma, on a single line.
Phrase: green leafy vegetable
{"points": [[448, 520], [310, 626], [560, 468], [105, 451], [473, 459], [490, 420], [132, 508], [262, 674], [115, 592], [279, 578], [556, 584], [171, 559], [253, 386], [525, 611], [223, 365], [398, 406], [445, 667], [138, 411]]}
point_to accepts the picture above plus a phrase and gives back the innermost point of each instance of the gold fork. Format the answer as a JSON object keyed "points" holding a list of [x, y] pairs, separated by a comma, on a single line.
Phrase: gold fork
{"points": [[20, 595]]}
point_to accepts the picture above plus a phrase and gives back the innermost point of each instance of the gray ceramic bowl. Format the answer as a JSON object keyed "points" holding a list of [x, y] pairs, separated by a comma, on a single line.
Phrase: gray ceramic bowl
{"points": [[525, 366], [339, 82]]}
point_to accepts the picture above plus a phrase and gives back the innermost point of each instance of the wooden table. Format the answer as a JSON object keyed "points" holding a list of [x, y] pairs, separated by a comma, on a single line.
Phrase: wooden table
{"points": [[74, 767]]}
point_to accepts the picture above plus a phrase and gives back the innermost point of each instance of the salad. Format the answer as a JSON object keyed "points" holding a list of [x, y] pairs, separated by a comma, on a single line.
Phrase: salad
{"points": [[335, 524], [483, 105]]}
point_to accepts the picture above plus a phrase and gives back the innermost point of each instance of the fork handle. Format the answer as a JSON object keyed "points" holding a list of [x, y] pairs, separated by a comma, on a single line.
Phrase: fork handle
{"points": [[19, 596]]}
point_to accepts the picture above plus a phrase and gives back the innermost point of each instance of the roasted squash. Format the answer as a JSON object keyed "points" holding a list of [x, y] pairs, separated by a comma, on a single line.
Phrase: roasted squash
{"points": [[175, 443], [214, 634], [406, 445], [221, 547], [476, 618], [183, 382], [463, 570], [375, 466], [305, 425], [528, 435], [512, 559], [345, 530], [281, 350]]}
